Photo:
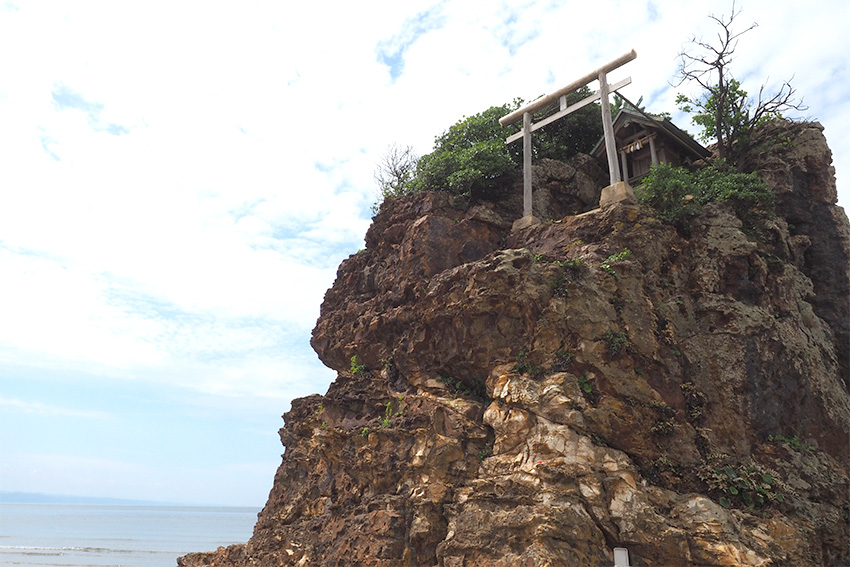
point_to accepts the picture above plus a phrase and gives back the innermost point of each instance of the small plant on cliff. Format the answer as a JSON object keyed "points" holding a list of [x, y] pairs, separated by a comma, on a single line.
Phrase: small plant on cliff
{"points": [[616, 341], [694, 400], [485, 452], [794, 442], [563, 358], [572, 271], [663, 471], [598, 439], [357, 368], [456, 388], [665, 463], [525, 366], [665, 423], [618, 257], [588, 392], [735, 485], [389, 413], [561, 285]]}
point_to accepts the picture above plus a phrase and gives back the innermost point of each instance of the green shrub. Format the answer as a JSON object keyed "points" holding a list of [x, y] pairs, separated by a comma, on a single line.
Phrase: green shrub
{"points": [[586, 386], [576, 133], [745, 192], [677, 195], [472, 157]]}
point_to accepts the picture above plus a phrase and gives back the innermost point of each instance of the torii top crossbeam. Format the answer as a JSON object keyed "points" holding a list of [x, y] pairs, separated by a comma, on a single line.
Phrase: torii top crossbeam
{"points": [[527, 127]]}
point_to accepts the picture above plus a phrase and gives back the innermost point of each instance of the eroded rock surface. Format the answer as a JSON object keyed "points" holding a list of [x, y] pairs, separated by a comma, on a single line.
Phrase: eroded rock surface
{"points": [[596, 381]]}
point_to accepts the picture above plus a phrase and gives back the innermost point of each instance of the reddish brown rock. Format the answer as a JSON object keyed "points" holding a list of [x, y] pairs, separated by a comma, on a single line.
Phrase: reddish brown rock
{"points": [[541, 397]]}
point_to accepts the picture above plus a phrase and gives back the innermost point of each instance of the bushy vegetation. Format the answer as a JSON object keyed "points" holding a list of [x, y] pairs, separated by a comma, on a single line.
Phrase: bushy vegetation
{"points": [[471, 157], [677, 194]]}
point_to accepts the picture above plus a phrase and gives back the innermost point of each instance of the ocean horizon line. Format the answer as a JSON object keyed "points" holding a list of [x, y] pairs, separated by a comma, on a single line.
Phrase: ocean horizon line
{"points": [[21, 497]]}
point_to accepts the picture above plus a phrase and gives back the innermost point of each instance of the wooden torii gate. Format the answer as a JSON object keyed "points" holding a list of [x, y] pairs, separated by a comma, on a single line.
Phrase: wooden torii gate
{"points": [[528, 127]]}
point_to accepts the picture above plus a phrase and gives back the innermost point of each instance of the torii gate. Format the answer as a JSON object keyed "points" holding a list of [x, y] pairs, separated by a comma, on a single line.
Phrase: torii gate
{"points": [[528, 127]]}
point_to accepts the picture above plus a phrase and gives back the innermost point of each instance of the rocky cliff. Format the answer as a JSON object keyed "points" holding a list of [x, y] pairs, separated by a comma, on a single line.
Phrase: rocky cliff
{"points": [[600, 380]]}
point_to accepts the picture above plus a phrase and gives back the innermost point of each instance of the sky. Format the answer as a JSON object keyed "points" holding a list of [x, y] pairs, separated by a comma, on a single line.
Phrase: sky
{"points": [[180, 180]]}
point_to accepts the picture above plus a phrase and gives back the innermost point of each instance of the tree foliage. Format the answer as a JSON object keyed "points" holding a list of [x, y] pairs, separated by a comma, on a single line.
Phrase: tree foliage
{"points": [[724, 110], [471, 157], [575, 133]]}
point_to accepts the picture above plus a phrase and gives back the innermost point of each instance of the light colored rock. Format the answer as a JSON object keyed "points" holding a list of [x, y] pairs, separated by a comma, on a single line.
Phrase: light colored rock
{"points": [[620, 192], [524, 222]]}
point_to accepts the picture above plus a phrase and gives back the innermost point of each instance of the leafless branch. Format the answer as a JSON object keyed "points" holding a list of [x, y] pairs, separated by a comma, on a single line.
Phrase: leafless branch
{"points": [[395, 170], [734, 114]]}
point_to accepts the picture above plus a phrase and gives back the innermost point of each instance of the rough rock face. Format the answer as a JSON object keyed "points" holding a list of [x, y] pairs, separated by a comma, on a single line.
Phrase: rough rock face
{"points": [[596, 381]]}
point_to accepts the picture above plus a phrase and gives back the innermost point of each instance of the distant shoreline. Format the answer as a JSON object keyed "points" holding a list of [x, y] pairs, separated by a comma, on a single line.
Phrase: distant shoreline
{"points": [[7, 497]]}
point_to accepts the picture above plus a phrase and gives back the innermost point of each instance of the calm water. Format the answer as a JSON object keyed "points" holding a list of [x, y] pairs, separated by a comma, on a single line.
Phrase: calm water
{"points": [[73, 535]]}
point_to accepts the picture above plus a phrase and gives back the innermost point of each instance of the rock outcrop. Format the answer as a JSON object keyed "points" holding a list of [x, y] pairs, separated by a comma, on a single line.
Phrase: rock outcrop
{"points": [[597, 381]]}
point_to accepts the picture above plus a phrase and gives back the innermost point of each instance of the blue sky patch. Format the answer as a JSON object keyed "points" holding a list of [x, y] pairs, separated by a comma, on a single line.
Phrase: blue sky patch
{"points": [[64, 98], [512, 36], [45, 144], [391, 51], [652, 10]]}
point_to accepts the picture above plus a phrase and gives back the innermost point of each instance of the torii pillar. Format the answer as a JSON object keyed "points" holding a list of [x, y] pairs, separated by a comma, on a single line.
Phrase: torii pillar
{"points": [[618, 190]]}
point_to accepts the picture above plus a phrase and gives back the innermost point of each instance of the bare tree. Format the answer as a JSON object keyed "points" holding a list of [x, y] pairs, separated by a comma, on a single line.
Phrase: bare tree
{"points": [[396, 171], [724, 109]]}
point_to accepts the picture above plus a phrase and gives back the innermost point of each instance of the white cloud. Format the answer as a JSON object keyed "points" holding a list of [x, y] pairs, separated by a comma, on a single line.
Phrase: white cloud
{"points": [[181, 180], [38, 408]]}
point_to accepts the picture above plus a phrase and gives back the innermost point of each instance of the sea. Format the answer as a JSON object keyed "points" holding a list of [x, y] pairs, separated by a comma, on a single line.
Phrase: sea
{"points": [[78, 535]]}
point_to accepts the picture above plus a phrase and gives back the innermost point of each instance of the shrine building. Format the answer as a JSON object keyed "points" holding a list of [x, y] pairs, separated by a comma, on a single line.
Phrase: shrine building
{"points": [[644, 139]]}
